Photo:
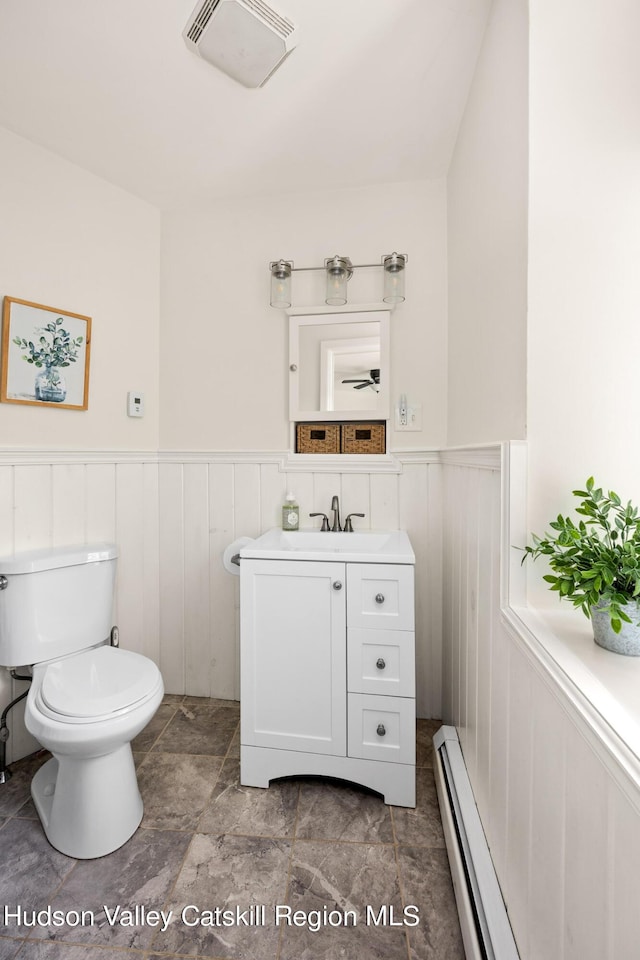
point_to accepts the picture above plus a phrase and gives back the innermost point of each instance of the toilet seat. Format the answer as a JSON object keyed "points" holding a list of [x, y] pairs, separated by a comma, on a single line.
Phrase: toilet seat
{"points": [[97, 684]]}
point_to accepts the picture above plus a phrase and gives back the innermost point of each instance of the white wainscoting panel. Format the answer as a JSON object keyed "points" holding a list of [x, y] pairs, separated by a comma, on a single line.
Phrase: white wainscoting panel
{"points": [[207, 502], [172, 516], [561, 818], [74, 500]]}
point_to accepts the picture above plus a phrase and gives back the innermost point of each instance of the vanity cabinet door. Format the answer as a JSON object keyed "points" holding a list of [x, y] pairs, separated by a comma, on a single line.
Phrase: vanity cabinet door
{"points": [[293, 669]]}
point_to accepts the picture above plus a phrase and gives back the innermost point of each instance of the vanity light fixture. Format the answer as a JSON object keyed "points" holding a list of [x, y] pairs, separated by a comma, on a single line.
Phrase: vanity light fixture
{"points": [[394, 265], [339, 271], [281, 283]]}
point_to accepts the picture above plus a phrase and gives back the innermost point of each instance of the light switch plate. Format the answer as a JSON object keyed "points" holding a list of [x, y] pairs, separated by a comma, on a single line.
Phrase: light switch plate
{"points": [[135, 403]]}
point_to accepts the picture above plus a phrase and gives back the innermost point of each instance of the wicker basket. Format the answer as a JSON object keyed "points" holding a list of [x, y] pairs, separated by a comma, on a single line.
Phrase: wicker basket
{"points": [[317, 438], [363, 438]]}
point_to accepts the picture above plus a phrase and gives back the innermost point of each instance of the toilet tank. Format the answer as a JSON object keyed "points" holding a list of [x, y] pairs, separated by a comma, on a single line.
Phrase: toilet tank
{"points": [[55, 602]]}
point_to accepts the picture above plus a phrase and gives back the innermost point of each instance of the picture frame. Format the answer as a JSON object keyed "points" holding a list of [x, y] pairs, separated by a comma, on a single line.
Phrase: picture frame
{"points": [[45, 356]]}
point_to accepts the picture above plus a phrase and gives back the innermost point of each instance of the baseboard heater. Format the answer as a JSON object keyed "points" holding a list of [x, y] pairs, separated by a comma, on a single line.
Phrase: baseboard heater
{"points": [[486, 932]]}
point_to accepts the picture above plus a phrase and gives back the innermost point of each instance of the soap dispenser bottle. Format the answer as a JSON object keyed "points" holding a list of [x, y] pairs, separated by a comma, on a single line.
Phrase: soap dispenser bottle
{"points": [[290, 513]]}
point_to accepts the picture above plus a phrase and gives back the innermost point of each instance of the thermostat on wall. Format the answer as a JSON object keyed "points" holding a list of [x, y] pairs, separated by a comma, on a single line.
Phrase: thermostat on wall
{"points": [[135, 403]]}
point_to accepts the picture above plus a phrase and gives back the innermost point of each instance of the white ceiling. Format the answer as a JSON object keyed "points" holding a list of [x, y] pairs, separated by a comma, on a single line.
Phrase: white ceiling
{"points": [[373, 92]]}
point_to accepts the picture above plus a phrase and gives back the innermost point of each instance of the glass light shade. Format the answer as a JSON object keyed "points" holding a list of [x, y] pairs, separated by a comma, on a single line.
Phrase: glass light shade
{"points": [[394, 266], [280, 283], [339, 270]]}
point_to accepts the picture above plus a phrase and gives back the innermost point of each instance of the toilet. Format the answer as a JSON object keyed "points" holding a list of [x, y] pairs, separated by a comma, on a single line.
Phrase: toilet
{"points": [[87, 700]]}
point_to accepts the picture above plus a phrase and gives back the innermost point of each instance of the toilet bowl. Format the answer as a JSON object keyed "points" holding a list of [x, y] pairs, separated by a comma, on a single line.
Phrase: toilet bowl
{"points": [[85, 709], [87, 699]]}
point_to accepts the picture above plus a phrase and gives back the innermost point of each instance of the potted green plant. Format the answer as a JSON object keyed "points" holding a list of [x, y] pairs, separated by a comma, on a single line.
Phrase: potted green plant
{"points": [[596, 565], [55, 348]]}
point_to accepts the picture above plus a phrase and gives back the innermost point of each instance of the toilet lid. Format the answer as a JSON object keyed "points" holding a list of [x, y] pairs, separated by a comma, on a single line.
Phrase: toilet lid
{"points": [[97, 682]]}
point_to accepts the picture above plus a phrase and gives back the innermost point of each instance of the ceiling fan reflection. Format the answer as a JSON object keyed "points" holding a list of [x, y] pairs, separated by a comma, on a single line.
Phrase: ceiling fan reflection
{"points": [[373, 381]]}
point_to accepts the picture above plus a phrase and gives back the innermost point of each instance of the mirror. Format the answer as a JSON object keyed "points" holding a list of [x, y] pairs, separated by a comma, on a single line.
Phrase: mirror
{"points": [[339, 366]]}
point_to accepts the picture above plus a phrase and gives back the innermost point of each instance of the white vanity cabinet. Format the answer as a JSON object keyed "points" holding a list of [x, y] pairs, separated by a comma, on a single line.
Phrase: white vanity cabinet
{"points": [[327, 673]]}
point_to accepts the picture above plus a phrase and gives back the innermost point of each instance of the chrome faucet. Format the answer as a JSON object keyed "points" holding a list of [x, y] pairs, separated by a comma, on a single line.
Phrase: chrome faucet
{"points": [[335, 506]]}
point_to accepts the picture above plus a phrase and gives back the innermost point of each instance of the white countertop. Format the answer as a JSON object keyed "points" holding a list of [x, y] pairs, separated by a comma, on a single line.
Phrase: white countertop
{"points": [[361, 546]]}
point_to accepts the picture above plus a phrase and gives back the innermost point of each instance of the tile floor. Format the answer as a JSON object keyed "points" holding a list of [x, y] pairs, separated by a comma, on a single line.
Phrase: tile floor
{"points": [[316, 851]]}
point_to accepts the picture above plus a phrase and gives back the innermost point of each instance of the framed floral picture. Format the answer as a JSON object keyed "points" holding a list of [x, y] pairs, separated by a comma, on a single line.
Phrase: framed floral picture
{"points": [[45, 356]]}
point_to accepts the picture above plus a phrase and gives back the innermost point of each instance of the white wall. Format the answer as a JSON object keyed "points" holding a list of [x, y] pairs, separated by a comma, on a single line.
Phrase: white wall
{"points": [[209, 500], [74, 242], [71, 241], [50, 499], [224, 378], [561, 815], [487, 240], [175, 601], [584, 243]]}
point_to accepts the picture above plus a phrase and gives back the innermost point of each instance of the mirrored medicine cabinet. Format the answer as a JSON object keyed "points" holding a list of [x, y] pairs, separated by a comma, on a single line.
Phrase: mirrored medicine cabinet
{"points": [[339, 365]]}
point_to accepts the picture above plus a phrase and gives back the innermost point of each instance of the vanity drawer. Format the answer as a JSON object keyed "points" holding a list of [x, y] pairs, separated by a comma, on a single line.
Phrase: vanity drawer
{"points": [[381, 661], [381, 728], [380, 596]]}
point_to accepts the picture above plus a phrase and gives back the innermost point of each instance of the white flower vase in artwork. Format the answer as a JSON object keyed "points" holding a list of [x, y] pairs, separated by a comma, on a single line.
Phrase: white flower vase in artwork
{"points": [[50, 386]]}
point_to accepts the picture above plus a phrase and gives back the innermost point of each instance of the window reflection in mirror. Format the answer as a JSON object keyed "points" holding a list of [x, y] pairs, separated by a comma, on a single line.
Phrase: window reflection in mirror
{"points": [[341, 365]]}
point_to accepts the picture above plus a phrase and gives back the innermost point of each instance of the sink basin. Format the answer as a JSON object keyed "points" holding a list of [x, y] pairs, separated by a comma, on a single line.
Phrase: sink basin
{"points": [[362, 546], [315, 540]]}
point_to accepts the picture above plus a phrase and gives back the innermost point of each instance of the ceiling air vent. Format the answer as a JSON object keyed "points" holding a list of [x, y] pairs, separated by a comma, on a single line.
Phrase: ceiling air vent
{"points": [[247, 39], [199, 22]]}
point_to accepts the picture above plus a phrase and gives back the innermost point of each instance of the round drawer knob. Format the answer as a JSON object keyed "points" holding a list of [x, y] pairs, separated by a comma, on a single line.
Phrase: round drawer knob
{"points": [[381, 730], [379, 598], [380, 664], [337, 585]]}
